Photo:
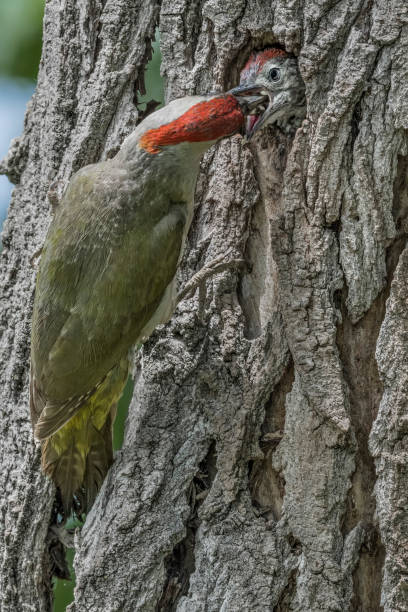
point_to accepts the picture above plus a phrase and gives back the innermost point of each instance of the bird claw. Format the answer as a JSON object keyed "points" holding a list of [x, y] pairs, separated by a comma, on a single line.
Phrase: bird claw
{"points": [[216, 266], [35, 256], [54, 194]]}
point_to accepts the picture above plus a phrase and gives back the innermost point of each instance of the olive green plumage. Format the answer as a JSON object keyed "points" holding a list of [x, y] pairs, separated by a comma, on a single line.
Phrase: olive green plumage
{"points": [[110, 253], [105, 280], [107, 273]]}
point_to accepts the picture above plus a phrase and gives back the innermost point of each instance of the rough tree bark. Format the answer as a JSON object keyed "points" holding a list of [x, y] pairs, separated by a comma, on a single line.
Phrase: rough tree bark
{"points": [[265, 458]]}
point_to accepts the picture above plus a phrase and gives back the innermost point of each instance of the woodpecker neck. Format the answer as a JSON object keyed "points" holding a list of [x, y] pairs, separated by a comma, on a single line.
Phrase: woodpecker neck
{"points": [[168, 145]]}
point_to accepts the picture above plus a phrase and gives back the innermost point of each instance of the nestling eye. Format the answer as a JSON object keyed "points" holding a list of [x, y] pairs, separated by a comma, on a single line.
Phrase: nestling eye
{"points": [[274, 74]]}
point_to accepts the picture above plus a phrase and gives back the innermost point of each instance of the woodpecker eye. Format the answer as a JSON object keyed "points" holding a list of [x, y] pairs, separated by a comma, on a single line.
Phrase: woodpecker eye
{"points": [[274, 74]]}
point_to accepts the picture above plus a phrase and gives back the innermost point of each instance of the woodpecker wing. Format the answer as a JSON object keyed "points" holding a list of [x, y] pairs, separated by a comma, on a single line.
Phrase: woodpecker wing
{"points": [[103, 274]]}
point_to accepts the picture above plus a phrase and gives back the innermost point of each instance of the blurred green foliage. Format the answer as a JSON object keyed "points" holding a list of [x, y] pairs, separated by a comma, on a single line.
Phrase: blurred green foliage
{"points": [[64, 589], [20, 37], [120, 421], [153, 81]]}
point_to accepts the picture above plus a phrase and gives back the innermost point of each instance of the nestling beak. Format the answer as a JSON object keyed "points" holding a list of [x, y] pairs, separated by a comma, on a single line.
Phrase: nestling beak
{"points": [[253, 100], [263, 107]]}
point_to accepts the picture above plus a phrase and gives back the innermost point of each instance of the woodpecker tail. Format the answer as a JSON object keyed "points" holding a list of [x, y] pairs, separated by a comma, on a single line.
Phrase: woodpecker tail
{"points": [[78, 455], [99, 458], [80, 468]]}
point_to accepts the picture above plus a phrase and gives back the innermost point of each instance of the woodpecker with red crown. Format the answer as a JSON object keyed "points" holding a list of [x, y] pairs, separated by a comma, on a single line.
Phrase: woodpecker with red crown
{"points": [[277, 73], [107, 273]]}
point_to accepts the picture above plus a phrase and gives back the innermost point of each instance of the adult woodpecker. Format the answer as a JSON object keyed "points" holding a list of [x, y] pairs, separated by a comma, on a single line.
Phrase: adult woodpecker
{"points": [[107, 278]]}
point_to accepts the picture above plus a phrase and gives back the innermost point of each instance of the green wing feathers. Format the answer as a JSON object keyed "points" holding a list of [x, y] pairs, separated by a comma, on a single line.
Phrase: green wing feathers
{"points": [[109, 256]]}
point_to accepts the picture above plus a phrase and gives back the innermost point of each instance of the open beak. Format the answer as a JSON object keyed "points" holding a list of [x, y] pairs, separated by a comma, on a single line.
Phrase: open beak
{"points": [[259, 104]]}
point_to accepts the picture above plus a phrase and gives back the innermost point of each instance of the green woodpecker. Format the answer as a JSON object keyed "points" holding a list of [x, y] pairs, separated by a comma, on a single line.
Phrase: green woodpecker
{"points": [[107, 278]]}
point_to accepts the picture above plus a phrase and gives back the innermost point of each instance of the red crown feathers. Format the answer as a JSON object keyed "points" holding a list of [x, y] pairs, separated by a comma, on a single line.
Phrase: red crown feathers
{"points": [[256, 60]]}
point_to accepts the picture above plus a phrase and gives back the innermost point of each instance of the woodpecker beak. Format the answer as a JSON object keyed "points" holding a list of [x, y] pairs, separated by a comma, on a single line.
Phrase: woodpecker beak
{"points": [[263, 108], [253, 100]]}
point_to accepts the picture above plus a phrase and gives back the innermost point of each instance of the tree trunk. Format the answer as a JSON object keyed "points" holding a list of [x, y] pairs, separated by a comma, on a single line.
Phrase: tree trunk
{"points": [[265, 458]]}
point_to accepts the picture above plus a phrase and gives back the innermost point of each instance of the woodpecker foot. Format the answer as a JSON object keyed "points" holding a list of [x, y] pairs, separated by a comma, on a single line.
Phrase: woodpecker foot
{"points": [[216, 266], [34, 257], [54, 194]]}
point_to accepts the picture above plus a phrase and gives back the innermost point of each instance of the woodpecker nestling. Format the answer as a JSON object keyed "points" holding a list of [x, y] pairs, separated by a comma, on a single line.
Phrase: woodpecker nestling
{"points": [[107, 278], [277, 73]]}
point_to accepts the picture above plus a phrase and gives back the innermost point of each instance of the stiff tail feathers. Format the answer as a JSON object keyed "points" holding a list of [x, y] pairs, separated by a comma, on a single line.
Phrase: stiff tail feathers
{"points": [[98, 460], [76, 438], [80, 469], [66, 470]]}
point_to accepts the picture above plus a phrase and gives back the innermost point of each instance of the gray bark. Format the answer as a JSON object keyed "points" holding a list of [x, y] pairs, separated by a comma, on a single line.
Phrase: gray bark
{"points": [[264, 462]]}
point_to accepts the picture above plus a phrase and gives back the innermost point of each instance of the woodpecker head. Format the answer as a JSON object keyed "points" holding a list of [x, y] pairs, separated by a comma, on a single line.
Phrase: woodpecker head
{"points": [[196, 122], [275, 73]]}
